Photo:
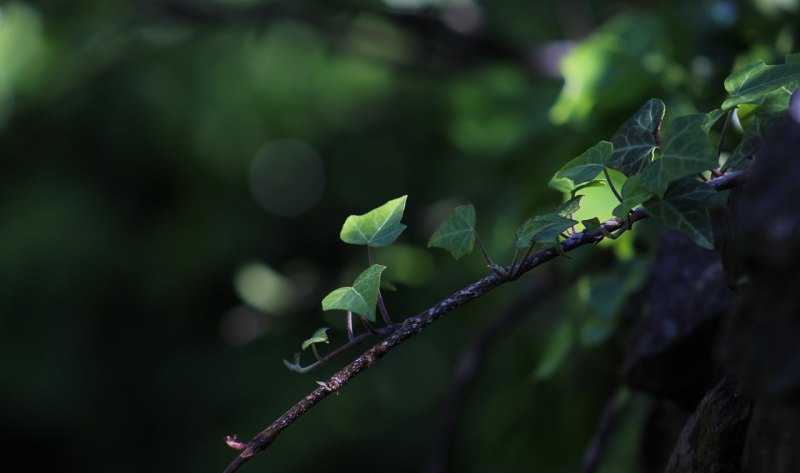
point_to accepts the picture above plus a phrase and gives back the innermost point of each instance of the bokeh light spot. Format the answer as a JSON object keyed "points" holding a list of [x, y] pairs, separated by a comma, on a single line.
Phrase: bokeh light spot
{"points": [[287, 177]]}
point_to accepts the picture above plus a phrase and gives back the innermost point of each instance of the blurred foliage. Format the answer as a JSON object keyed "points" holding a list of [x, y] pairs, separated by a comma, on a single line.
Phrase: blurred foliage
{"points": [[176, 174]]}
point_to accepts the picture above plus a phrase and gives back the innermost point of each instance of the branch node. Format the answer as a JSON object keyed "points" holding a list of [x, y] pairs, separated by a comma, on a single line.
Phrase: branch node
{"points": [[234, 442]]}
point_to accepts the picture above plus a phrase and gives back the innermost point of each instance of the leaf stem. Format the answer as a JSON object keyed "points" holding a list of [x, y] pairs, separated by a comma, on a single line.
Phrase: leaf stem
{"points": [[611, 184], [724, 132], [316, 353], [483, 249], [381, 306], [350, 335], [369, 326]]}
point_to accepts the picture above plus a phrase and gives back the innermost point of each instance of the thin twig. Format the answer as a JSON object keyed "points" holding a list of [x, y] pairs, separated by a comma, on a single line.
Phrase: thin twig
{"points": [[483, 250], [415, 325]]}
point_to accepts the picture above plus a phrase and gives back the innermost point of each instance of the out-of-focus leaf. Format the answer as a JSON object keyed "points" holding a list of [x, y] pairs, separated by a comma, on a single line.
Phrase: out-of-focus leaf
{"points": [[636, 139], [320, 336], [683, 208], [755, 136], [558, 347], [457, 233], [361, 298], [686, 151], [588, 165], [378, 227]]}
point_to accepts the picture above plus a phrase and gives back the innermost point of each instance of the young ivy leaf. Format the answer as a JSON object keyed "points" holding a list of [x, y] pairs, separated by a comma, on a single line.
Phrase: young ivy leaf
{"points": [[457, 233], [569, 207], [588, 165], [377, 228], [633, 194], [320, 336], [361, 298], [542, 229], [752, 82], [636, 139], [683, 208], [686, 151]]}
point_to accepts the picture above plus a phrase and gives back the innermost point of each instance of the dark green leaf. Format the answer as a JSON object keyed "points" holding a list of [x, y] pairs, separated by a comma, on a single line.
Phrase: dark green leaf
{"points": [[542, 229], [751, 83], [633, 194], [592, 225], [712, 118], [686, 151], [636, 139], [376, 228], [320, 336], [588, 165], [361, 298], [683, 208], [457, 233]]}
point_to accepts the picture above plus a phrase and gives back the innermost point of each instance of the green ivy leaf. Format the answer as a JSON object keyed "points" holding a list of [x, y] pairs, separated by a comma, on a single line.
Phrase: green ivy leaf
{"points": [[542, 229], [569, 207], [592, 225], [457, 233], [712, 118], [636, 139], [633, 194], [683, 208], [752, 82], [588, 165], [320, 336], [377, 228], [757, 133], [686, 151], [361, 298]]}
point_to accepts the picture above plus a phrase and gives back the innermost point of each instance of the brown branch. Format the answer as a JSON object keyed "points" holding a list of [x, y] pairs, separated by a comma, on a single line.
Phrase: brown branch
{"points": [[415, 325], [469, 367]]}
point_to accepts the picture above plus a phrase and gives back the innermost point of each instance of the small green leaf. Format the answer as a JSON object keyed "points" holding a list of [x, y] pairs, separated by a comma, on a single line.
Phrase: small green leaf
{"points": [[377, 228], [592, 225], [361, 298], [683, 208], [633, 194], [457, 233], [686, 151], [542, 229], [752, 82], [588, 165], [320, 336], [636, 139], [569, 207]]}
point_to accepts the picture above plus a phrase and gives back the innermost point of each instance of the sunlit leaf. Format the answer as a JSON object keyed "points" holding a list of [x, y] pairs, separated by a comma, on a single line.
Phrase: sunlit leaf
{"points": [[457, 233], [320, 336], [633, 194], [542, 229], [588, 165], [636, 139], [686, 151], [361, 298], [683, 208], [378, 227], [751, 83]]}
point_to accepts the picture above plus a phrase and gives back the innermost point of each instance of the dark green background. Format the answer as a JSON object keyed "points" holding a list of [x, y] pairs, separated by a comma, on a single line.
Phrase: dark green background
{"points": [[131, 242]]}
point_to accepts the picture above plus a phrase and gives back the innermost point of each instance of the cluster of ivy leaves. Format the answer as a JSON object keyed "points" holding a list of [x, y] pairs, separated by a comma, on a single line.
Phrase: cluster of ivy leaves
{"points": [[665, 173]]}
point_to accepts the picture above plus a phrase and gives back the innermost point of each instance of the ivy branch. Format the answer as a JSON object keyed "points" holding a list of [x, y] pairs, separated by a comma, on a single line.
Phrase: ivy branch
{"points": [[415, 325]]}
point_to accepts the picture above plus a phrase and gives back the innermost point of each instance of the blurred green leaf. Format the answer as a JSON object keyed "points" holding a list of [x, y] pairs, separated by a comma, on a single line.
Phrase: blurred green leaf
{"points": [[636, 139], [559, 344], [361, 298], [754, 137], [686, 151], [683, 208], [457, 233], [378, 227], [320, 336]]}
